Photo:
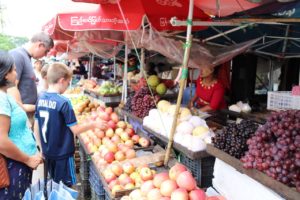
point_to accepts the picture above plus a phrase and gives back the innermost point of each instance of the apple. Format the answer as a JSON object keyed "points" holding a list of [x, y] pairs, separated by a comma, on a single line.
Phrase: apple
{"points": [[176, 170], [109, 157], [128, 167], [114, 117], [165, 198], [116, 189], [130, 131], [120, 156], [129, 186], [126, 197], [159, 178], [167, 187], [113, 183], [129, 143], [99, 133], [97, 142], [126, 180], [130, 153], [108, 110], [146, 174], [119, 131], [197, 194], [147, 186], [116, 139], [111, 124], [124, 136], [105, 140], [180, 194], [104, 116], [117, 169], [144, 142], [186, 181], [136, 194], [138, 181], [109, 175], [121, 124], [112, 146], [134, 175], [154, 194], [135, 139], [109, 133]]}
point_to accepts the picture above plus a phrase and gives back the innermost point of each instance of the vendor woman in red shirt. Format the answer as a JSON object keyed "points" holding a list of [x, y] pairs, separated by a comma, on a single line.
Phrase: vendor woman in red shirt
{"points": [[209, 95]]}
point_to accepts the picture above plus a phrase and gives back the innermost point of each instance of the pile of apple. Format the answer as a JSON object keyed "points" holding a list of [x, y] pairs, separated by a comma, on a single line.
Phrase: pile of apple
{"points": [[126, 176], [116, 142], [177, 184]]}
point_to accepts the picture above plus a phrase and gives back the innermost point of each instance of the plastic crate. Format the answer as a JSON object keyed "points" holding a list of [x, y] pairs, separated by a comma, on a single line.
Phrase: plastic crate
{"points": [[85, 189], [84, 170], [283, 100], [82, 154], [202, 169], [95, 181]]}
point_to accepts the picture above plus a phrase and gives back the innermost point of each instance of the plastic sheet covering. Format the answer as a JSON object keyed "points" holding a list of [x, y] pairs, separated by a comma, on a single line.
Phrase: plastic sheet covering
{"points": [[105, 44], [200, 56]]}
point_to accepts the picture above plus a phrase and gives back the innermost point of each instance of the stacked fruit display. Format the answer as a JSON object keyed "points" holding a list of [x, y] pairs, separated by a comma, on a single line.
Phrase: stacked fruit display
{"points": [[117, 142], [233, 138], [126, 176], [191, 132], [141, 102], [275, 148], [109, 88], [83, 105], [175, 184]]}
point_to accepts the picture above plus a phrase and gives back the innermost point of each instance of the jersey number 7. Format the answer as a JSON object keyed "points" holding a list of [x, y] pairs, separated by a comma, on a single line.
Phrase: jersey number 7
{"points": [[45, 115]]}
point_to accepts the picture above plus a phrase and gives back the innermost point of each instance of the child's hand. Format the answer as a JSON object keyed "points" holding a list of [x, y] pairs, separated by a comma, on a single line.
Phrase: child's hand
{"points": [[34, 161], [101, 124]]}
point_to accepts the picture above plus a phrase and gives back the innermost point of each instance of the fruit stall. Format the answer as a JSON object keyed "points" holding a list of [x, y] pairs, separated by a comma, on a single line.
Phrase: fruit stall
{"points": [[261, 152]]}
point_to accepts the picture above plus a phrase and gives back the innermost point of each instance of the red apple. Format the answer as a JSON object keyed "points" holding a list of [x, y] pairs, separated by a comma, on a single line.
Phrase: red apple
{"points": [[126, 180], [109, 157], [167, 187], [130, 131], [186, 180], [159, 178], [111, 124], [99, 133], [197, 194], [144, 142], [135, 139], [146, 174], [104, 116], [116, 139], [108, 110], [176, 170], [114, 117], [165, 198], [180, 194]]}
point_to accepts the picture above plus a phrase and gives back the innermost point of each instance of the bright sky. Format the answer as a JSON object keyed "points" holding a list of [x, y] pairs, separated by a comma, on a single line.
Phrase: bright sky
{"points": [[26, 17]]}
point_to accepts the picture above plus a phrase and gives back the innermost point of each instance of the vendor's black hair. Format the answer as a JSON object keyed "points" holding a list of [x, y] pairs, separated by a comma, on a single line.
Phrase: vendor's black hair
{"points": [[6, 61]]}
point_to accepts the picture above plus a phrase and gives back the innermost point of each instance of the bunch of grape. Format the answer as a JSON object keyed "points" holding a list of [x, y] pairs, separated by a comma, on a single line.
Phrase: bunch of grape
{"points": [[275, 148], [233, 138], [128, 102], [142, 102]]}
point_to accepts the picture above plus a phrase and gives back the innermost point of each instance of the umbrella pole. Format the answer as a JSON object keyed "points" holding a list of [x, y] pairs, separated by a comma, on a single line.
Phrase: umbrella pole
{"points": [[183, 79]]}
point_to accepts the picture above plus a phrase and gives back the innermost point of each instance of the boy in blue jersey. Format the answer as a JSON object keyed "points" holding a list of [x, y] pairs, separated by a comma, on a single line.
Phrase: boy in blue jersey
{"points": [[57, 125]]}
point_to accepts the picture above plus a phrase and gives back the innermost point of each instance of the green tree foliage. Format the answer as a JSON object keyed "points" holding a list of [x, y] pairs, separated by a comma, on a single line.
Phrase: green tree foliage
{"points": [[9, 42]]}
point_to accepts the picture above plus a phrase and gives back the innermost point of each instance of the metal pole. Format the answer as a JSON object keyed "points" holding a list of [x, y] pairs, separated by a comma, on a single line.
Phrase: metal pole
{"points": [[183, 79], [115, 68]]}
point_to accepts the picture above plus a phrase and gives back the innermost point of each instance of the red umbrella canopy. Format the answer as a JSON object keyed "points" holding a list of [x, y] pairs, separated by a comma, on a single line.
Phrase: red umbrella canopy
{"points": [[129, 15], [212, 7]]}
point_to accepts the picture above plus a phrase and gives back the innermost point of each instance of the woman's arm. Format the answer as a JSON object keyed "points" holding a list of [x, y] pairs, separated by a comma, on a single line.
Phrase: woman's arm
{"points": [[14, 92], [192, 101], [10, 150]]}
